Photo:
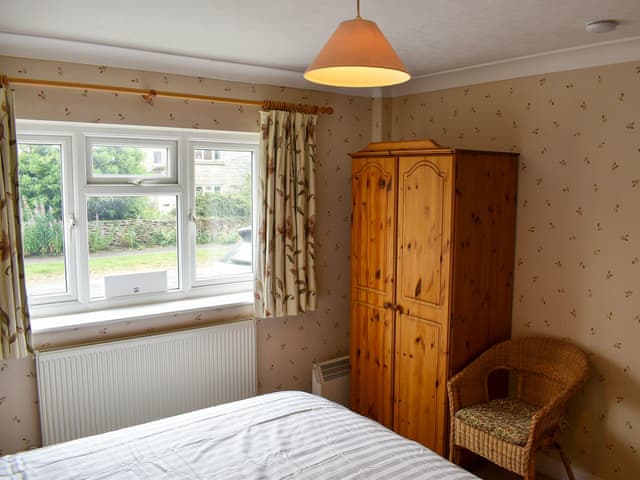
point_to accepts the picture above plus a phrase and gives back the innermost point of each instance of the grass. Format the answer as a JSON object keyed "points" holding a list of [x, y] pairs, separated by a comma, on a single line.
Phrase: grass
{"points": [[134, 261]]}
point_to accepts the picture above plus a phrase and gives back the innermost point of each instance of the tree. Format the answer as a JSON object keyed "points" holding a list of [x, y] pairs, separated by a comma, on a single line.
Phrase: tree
{"points": [[41, 187], [117, 160], [119, 208], [39, 177]]}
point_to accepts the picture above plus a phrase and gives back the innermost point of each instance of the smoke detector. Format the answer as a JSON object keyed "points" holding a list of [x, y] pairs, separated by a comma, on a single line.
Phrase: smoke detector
{"points": [[601, 26]]}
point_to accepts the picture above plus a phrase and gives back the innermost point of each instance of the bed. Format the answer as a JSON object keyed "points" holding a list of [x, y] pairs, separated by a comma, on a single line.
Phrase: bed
{"points": [[283, 435]]}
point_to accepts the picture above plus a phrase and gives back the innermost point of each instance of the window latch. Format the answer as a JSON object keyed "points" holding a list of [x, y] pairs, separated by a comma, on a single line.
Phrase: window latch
{"points": [[192, 217], [72, 221], [137, 181]]}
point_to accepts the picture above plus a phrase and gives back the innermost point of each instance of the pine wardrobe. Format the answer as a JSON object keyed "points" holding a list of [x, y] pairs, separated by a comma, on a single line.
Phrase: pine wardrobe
{"points": [[432, 254]]}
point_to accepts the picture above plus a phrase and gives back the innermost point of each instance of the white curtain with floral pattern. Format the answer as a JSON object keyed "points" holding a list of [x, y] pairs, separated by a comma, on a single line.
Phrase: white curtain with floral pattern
{"points": [[15, 331], [285, 282]]}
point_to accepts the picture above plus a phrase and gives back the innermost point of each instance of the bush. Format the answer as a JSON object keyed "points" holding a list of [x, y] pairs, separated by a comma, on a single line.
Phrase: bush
{"points": [[43, 236], [210, 204], [219, 230], [98, 241], [131, 234], [129, 239], [203, 237], [165, 237]]}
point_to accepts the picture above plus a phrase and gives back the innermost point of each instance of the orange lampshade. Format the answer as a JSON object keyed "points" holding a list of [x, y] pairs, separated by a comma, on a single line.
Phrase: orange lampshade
{"points": [[357, 55]]}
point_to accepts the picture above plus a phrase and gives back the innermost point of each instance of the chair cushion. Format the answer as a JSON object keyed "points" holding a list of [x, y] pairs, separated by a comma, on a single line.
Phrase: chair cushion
{"points": [[508, 419]]}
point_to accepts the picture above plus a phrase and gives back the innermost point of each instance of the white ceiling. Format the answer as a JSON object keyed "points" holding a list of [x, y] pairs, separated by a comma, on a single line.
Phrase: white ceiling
{"points": [[431, 36]]}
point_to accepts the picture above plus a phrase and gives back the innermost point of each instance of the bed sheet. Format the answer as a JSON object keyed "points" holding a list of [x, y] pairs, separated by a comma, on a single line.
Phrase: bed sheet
{"points": [[283, 435]]}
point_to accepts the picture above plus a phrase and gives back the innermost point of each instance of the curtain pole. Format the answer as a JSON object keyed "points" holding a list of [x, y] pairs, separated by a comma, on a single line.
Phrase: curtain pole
{"points": [[148, 94]]}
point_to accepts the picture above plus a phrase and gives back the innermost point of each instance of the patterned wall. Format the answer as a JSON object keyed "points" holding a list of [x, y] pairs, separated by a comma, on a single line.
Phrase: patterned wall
{"points": [[286, 347], [578, 231], [578, 239]]}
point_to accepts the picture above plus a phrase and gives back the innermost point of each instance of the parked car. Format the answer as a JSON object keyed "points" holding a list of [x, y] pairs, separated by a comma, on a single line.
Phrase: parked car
{"points": [[243, 255]]}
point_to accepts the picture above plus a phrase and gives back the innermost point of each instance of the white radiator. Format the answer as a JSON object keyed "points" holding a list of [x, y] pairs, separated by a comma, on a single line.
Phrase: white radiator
{"points": [[330, 379], [97, 388]]}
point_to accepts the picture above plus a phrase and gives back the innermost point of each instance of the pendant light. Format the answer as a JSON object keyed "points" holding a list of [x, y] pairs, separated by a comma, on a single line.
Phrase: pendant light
{"points": [[357, 55]]}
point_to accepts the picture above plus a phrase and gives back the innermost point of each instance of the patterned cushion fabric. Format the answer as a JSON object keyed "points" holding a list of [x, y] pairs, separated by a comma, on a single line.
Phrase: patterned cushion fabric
{"points": [[508, 419]]}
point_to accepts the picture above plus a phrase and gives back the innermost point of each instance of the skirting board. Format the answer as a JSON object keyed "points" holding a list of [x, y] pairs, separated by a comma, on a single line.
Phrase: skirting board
{"points": [[551, 466]]}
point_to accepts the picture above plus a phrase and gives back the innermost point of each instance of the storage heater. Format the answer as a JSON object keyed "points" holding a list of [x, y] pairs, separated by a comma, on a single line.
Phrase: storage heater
{"points": [[330, 379]]}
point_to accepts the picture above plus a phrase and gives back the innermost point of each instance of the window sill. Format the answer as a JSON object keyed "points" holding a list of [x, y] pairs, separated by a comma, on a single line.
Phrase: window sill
{"points": [[139, 312]]}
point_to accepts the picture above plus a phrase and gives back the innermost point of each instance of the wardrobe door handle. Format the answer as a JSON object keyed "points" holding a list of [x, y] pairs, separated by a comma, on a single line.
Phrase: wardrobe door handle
{"points": [[393, 306]]}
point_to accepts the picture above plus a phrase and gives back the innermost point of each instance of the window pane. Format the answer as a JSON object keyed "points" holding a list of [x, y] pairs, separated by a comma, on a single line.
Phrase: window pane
{"points": [[223, 213], [132, 235], [40, 173], [129, 161]]}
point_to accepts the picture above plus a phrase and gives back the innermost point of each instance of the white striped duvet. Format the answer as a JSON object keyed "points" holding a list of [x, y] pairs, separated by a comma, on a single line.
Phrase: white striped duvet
{"points": [[285, 435]]}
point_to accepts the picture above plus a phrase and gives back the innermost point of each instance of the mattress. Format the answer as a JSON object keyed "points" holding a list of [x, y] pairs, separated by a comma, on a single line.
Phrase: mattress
{"points": [[283, 435]]}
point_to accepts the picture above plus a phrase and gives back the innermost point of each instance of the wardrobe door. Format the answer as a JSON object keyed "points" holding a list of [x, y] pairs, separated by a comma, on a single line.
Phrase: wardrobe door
{"points": [[373, 232], [422, 297], [417, 388]]}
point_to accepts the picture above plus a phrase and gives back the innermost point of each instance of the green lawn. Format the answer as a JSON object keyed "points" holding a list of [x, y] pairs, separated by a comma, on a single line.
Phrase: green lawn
{"points": [[104, 265]]}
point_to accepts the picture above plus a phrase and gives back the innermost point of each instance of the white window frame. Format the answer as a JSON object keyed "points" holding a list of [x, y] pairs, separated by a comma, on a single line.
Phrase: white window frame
{"points": [[78, 185], [217, 146], [68, 219], [110, 141]]}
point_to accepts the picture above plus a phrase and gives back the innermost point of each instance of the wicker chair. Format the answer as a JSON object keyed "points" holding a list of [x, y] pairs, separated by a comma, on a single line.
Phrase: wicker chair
{"points": [[546, 372]]}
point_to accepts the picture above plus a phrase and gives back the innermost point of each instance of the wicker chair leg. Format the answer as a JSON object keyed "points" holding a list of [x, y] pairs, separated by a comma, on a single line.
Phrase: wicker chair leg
{"points": [[454, 454], [531, 472], [565, 461]]}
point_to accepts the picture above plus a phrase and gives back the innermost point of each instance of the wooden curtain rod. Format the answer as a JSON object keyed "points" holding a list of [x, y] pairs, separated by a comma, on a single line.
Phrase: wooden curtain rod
{"points": [[148, 94]]}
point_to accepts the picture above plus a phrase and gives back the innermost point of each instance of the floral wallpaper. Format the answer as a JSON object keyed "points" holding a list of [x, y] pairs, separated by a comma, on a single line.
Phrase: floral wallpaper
{"points": [[286, 346], [578, 228]]}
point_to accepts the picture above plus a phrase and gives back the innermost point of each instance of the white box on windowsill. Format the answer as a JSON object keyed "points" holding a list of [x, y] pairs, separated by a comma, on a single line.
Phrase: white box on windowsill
{"points": [[134, 284]]}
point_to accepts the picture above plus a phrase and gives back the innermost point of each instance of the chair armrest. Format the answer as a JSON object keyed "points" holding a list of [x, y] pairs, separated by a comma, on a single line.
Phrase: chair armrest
{"points": [[468, 387], [547, 419]]}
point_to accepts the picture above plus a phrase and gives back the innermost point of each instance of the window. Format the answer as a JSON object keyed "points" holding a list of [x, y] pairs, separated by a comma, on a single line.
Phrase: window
{"points": [[116, 216], [223, 212], [121, 160], [129, 235], [44, 199]]}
